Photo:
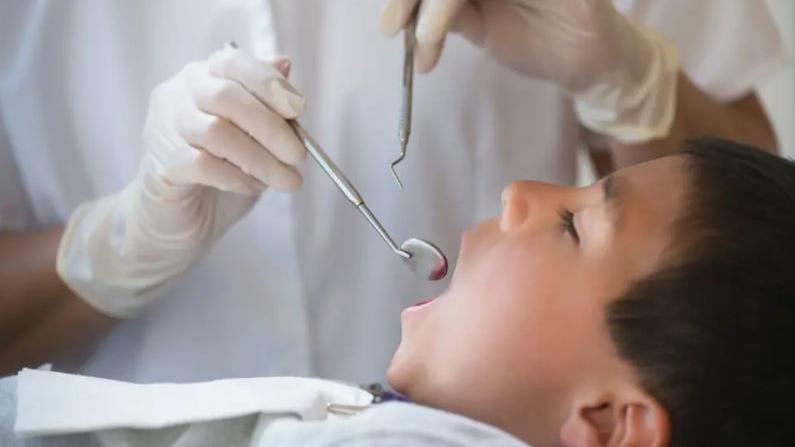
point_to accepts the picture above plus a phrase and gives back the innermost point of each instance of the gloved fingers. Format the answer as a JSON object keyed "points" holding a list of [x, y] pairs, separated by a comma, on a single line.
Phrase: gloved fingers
{"points": [[228, 99], [225, 141], [191, 165], [395, 15], [469, 23], [262, 78], [223, 175], [436, 19]]}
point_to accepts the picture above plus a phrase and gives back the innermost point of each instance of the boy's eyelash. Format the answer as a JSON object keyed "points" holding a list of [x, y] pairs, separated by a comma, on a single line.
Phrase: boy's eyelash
{"points": [[567, 223]]}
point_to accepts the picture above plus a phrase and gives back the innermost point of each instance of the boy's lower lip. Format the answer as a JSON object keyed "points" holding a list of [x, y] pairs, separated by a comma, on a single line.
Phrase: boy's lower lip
{"points": [[418, 306]]}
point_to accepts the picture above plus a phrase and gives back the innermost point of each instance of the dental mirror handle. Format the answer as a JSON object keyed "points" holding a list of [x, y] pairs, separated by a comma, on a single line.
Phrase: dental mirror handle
{"points": [[343, 184]]}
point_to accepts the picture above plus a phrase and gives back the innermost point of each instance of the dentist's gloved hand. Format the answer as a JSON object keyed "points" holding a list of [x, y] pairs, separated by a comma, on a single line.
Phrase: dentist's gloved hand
{"points": [[215, 137], [621, 76]]}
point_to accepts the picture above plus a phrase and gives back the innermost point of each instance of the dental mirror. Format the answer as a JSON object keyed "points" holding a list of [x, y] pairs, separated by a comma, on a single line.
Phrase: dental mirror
{"points": [[425, 260]]}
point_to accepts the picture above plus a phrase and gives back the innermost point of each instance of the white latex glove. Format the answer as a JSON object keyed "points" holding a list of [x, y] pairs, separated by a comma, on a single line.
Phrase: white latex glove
{"points": [[215, 137], [622, 76]]}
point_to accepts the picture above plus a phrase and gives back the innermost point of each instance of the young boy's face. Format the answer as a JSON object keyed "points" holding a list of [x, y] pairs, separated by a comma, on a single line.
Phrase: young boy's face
{"points": [[521, 329]]}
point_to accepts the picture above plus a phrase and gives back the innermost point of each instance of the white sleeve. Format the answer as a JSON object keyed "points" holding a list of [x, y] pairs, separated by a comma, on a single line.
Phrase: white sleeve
{"points": [[16, 212], [726, 47], [395, 424]]}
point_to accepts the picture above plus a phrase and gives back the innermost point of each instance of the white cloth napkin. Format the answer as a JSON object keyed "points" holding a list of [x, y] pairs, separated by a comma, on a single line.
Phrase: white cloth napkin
{"points": [[55, 403]]}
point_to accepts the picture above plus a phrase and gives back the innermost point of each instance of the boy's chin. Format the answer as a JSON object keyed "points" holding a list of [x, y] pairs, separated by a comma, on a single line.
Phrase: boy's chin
{"points": [[395, 373], [401, 372]]}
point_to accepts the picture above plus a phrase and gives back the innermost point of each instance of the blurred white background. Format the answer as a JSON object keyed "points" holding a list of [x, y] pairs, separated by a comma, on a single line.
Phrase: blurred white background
{"points": [[777, 92]]}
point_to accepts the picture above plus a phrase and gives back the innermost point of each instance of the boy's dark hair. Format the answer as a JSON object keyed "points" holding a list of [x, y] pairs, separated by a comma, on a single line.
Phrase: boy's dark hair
{"points": [[712, 334]]}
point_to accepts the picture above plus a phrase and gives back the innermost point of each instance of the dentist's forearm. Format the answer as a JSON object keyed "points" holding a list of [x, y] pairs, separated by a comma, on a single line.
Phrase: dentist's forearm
{"points": [[743, 120], [40, 318]]}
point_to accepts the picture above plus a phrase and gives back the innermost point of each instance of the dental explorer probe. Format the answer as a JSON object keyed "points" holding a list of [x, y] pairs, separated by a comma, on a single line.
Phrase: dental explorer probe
{"points": [[407, 91], [421, 256]]}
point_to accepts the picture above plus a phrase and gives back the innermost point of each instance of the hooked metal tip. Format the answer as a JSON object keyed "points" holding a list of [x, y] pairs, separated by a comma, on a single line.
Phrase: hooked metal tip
{"points": [[394, 173], [403, 144]]}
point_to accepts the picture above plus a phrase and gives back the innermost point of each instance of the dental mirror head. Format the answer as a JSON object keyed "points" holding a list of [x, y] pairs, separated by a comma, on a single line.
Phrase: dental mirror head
{"points": [[426, 259]]}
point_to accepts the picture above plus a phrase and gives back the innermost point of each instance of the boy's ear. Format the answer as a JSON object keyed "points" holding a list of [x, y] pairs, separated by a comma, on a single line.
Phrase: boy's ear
{"points": [[639, 421]]}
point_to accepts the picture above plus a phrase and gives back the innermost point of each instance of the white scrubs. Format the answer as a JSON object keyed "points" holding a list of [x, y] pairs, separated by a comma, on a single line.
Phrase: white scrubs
{"points": [[302, 285]]}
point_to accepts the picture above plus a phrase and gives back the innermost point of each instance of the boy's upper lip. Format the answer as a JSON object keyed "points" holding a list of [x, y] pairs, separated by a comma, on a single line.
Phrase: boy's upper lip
{"points": [[473, 239], [467, 236]]}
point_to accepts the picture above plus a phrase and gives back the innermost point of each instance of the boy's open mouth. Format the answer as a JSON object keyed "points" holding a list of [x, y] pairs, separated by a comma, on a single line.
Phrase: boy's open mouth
{"points": [[419, 306], [422, 303]]}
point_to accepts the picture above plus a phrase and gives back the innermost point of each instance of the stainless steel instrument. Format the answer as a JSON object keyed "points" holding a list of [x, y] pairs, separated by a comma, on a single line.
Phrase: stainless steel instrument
{"points": [[421, 256], [407, 91]]}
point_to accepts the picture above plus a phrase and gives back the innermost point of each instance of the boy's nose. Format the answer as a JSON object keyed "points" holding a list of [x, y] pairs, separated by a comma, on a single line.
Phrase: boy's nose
{"points": [[527, 200], [515, 205]]}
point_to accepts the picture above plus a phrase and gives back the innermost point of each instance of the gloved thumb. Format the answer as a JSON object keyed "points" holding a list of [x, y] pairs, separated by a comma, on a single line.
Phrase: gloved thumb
{"points": [[395, 15], [469, 23], [282, 64], [435, 21], [436, 18]]}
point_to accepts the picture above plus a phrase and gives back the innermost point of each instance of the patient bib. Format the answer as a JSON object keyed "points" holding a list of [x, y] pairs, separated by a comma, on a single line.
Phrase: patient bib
{"points": [[55, 409], [51, 403]]}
